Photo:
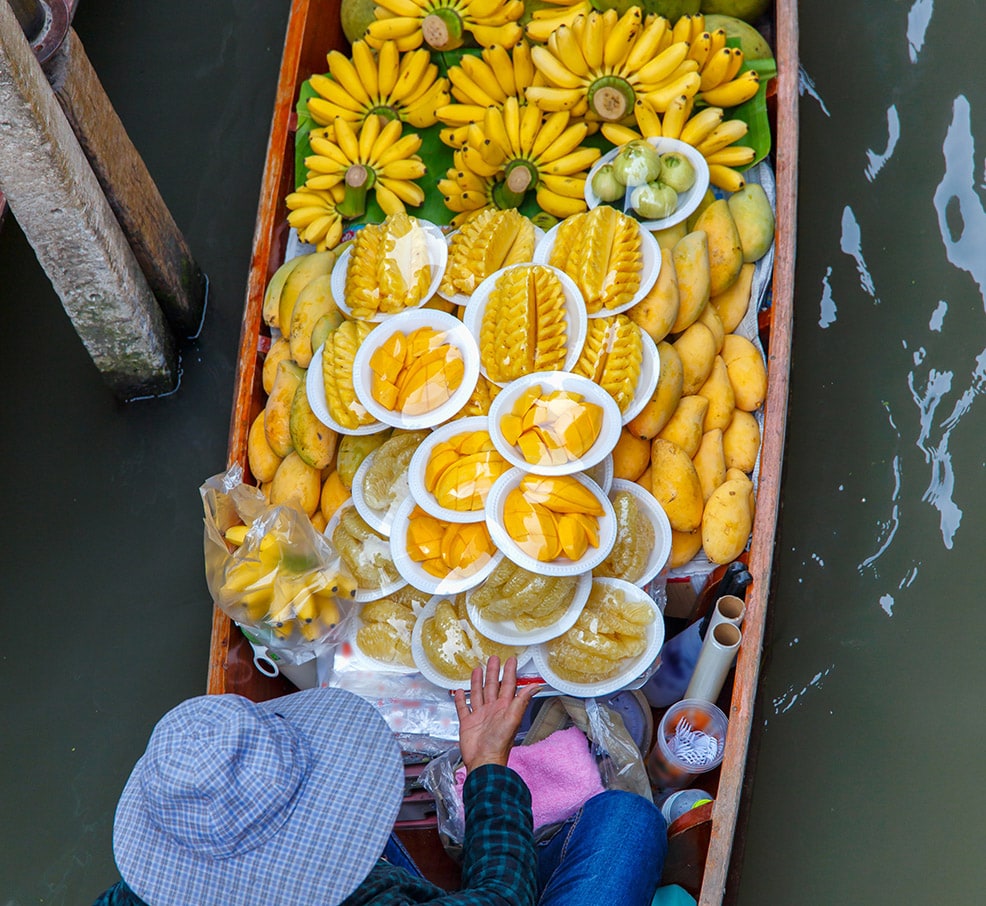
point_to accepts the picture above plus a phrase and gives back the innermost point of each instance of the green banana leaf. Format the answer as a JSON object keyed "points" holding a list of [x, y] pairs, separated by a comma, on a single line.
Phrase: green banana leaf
{"points": [[754, 111]]}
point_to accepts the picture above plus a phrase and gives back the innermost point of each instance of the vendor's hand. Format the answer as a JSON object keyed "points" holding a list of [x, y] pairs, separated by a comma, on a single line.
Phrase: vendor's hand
{"points": [[488, 724]]}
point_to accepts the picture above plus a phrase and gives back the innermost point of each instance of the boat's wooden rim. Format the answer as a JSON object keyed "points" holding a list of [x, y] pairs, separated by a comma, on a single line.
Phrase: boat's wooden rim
{"points": [[308, 37]]}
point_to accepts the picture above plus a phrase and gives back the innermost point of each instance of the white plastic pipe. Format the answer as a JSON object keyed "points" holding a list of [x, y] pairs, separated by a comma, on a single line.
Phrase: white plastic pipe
{"points": [[717, 656], [727, 609]]}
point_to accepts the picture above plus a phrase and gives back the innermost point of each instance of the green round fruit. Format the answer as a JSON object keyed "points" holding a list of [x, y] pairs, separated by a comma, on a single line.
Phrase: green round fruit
{"points": [[356, 15], [752, 43], [672, 10], [747, 10]]}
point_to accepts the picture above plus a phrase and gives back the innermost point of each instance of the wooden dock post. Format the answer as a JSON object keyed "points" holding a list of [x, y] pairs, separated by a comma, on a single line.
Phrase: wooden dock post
{"points": [[58, 202], [165, 258]]}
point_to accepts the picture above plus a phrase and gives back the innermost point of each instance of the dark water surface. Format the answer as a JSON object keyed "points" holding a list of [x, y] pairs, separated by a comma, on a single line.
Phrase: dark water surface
{"points": [[867, 781]]}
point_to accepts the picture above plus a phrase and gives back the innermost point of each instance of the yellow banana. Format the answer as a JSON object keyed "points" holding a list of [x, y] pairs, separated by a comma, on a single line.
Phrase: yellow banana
{"points": [[735, 64], [365, 64], [734, 156], [619, 135], [662, 97], [553, 126], [564, 45], [718, 40], [483, 75], [558, 205], [500, 62], [724, 134], [665, 63], [530, 122], [622, 35], [495, 130], [700, 125], [571, 163], [594, 41], [554, 99], [469, 91], [568, 186], [647, 119], [739, 90], [715, 68], [461, 114], [676, 116], [699, 49], [388, 68], [682, 30], [726, 178], [648, 43], [344, 72], [554, 70]]}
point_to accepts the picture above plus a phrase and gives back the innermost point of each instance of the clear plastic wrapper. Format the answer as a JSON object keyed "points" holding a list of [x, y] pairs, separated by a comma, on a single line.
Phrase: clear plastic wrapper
{"points": [[284, 580], [417, 370], [391, 267], [554, 423]]}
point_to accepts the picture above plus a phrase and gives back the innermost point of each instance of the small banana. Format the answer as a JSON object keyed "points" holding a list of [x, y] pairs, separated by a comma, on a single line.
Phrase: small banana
{"points": [[447, 24], [735, 92]]}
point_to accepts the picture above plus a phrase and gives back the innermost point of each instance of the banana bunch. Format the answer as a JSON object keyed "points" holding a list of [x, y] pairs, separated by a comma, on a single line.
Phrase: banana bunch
{"points": [[721, 84], [446, 24], [487, 80], [515, 149], [389, 267], [442, 548], [388, 83], [454, 646], [706, 130], [600, 250], [611, 629], [530, 600], [551, 517], [375, 157], [314, 213], [611, 357], [485, 243], [545, 20], [524, 327], [599, 65], [461, 471], [281, 588], [337, 372]]}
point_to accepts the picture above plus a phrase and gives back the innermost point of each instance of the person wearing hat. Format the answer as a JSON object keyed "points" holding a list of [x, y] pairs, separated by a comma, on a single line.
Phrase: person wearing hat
{"points": [[292, 802]]}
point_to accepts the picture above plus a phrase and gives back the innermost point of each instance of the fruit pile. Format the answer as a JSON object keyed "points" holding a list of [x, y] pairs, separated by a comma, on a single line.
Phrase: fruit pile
{"points": [[525, 115]]}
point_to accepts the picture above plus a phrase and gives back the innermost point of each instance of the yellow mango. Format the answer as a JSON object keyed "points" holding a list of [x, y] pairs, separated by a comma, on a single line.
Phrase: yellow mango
{"points": [[655, 414], [272, 292], [697, 349], [691, 265], [296, 484], [731, 304], [323, 327], [277, 410], [684, 428], [314, 442], [675, 485], [572, 537], [710, 462], [353, 449], [560, 494], [718, 390], [754, 218], [727, 521], [708, 198], [747, 372], [684, 546], [710, 318], [667, 237], [314, 302], [631, 456], [334, 495], [279, 349], [645, 479], [262, 460], [725, 250], [309, 267], [532, 526], [658, 310], [741, 441]]}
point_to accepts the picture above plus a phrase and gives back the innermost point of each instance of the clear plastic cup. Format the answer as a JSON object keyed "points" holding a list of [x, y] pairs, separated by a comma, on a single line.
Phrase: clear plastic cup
{"points": [[672, 763]]}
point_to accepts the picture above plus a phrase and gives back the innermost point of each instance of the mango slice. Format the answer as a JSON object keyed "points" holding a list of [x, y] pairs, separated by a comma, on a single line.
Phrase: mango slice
{"points": [[552, 428]]}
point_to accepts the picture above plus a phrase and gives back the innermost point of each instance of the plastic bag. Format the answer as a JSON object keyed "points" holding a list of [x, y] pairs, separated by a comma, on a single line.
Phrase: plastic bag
{"points": [[285, 581], [618, 758]]}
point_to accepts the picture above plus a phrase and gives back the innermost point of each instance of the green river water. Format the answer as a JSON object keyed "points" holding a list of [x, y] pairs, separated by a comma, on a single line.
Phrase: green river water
{"points": [[870, 742]]}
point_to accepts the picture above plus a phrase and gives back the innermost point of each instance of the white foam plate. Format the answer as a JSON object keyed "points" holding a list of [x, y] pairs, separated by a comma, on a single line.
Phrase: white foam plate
{"points": [[455, 333], [687, 201], [315, 387], [560, 566], [437, 258], [650, 373], [463, 298], [506, 631], [364, 594], [632, 668], [575, 316], [549, 381], [453, 583], [602, 473], [650, 267], [661, 551], [419, 463], [380, 520], [427, 670]]}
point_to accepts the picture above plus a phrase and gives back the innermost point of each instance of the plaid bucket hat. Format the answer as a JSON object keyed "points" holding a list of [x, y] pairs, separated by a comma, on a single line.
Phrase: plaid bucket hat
{"points": [[286, 801]]}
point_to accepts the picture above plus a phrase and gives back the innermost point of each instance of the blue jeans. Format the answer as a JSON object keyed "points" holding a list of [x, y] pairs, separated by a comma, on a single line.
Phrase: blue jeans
{"points": [[610, 852]]}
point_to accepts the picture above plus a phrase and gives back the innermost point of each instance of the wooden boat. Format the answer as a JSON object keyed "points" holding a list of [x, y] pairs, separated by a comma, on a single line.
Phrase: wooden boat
{"points": [[705, 844]]}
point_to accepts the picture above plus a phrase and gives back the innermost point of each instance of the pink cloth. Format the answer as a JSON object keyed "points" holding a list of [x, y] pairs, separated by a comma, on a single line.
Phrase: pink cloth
{"points": [[559, 771]]}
